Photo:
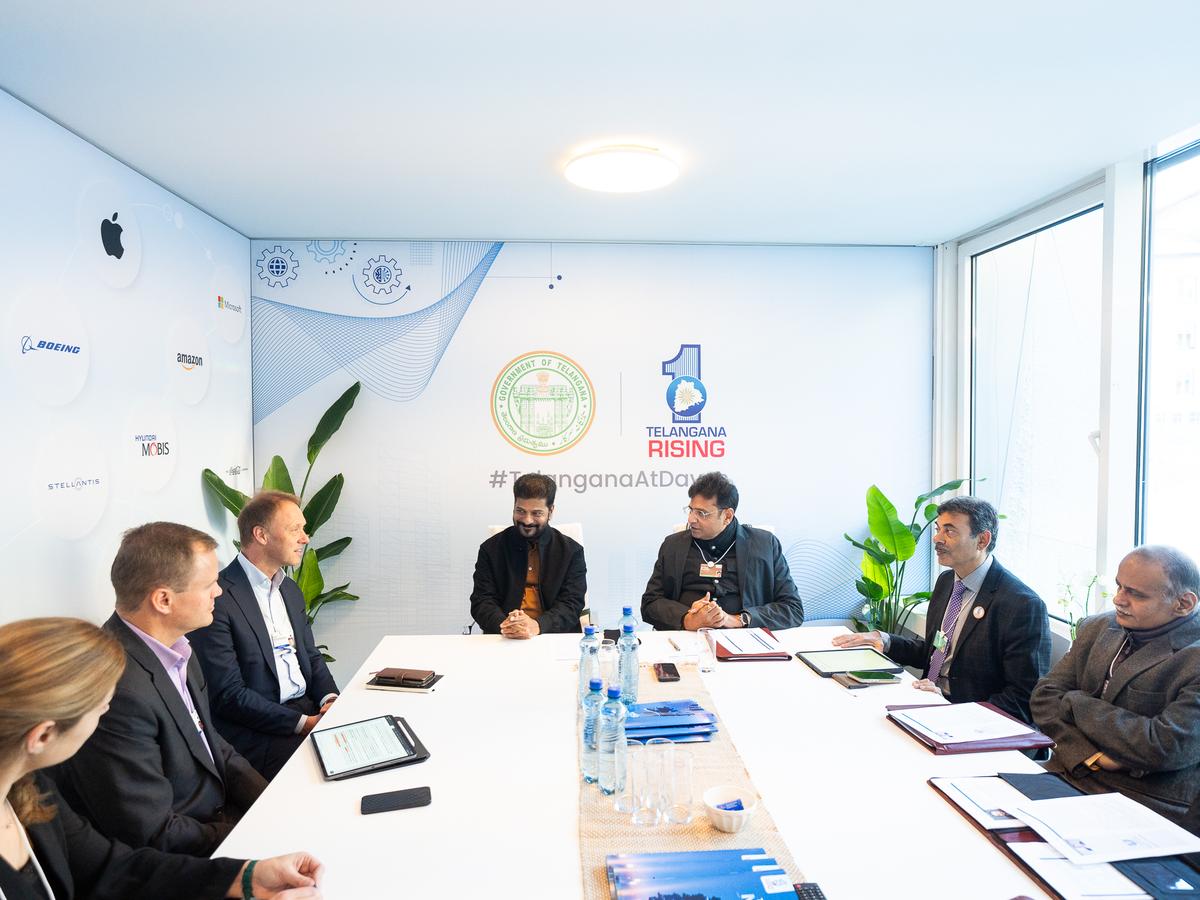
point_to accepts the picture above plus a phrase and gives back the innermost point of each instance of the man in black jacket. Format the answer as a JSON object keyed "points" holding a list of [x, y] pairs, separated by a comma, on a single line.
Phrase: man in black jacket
{"points": [[987, 636], [718, 573], [530, 578], [156, 773]]}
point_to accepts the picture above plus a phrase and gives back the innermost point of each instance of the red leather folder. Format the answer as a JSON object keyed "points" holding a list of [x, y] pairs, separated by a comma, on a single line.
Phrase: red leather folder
{"points": [[1032, 740], [725, 655]]}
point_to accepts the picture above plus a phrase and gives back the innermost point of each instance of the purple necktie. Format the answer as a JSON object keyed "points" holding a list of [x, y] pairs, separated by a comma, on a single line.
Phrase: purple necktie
{"points": [[948, 622]]}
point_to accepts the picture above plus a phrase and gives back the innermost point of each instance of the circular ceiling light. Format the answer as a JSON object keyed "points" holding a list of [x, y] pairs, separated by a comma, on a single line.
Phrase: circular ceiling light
{"points": [[624, 169]]}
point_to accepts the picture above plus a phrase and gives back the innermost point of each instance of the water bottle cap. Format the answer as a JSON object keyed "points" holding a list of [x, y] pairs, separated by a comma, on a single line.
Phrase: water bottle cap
{"points": [[627, 628], [595, 684], [589, 630], [614, 692], [627, 610]]}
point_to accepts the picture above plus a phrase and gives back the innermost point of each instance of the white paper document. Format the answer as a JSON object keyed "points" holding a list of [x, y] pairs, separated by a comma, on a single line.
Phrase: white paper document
{"points": [[986, 799], [1076, 882], [1098, 828], [958, 723], [747, 640]]}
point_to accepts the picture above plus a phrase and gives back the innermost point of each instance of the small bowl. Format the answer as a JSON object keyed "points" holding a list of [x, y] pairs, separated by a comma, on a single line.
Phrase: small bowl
{"points": [[730, 820]]}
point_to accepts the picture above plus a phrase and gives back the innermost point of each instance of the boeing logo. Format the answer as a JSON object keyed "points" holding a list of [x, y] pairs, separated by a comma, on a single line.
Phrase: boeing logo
{"points": [[28, 346]]}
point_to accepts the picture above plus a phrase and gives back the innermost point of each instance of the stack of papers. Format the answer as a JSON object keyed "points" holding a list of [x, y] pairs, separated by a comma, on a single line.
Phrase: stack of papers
{"points": [[712, 874], [960, 723], [682, 721]]}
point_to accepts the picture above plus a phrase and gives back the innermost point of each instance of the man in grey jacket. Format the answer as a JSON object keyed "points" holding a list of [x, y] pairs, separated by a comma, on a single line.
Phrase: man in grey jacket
{"points": [[718, 573], [1124, 704]]}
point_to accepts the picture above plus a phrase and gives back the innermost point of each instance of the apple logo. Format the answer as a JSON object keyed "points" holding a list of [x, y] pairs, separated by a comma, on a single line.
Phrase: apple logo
{"points": [[110, 236]]}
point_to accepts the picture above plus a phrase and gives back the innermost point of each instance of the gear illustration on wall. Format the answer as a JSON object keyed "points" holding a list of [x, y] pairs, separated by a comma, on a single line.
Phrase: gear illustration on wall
{"points": [[326, 251], [382, 274], [277, 267]]}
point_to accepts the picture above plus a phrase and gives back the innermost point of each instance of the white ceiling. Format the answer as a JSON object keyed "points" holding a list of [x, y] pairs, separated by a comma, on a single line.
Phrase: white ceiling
{"points": [[852, 122]]}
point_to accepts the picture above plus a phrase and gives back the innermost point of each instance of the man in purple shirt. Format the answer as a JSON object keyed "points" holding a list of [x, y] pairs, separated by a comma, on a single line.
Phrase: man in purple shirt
{"points": [[155, 772]]}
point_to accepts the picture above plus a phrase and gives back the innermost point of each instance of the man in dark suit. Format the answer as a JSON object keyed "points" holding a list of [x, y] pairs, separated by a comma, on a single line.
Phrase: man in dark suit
{"points": [[718, 573], [1123, 705], [530, 579], [156, 772], [268, 681], [987, 635]]}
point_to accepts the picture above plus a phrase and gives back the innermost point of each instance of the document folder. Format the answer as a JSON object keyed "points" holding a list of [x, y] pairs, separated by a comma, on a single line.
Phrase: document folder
{"points": [[1028, 740], [1159, 877], [756, 648]]}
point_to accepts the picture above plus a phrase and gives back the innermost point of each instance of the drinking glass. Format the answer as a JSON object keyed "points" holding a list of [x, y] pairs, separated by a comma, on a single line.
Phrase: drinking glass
{"points": [[678, 806], [648, 808], [706, 661], [626, 799], [609, 667]]}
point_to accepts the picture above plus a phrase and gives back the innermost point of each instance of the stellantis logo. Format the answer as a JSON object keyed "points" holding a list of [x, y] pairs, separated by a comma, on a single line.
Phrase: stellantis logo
{"points": [[110, 237], [28, 346], [189, 362]]}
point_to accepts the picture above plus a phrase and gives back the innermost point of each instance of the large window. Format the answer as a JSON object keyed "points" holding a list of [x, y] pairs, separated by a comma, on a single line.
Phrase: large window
{"points": [[1035, 407], [1171, 429]]}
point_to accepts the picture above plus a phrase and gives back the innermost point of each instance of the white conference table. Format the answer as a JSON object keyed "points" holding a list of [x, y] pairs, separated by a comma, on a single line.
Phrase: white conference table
{"points": [[846, 788]]}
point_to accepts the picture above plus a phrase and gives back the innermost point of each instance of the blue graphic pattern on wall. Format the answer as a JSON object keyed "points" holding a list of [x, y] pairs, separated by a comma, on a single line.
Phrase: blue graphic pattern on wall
{"points": [[393, 356]]}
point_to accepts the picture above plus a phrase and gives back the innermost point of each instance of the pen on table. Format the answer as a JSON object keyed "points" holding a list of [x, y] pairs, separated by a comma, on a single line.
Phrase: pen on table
{"points": [[671, 641]]}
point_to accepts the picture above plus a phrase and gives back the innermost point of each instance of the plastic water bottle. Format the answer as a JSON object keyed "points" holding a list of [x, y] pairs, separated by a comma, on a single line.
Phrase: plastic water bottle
{"points": [[589, 659], [589, 763], [627, 656], [626, 619], [610, 743]]}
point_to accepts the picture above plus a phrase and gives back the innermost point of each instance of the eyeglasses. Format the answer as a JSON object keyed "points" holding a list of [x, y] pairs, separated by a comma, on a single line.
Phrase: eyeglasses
{"points": [[702, 514]]}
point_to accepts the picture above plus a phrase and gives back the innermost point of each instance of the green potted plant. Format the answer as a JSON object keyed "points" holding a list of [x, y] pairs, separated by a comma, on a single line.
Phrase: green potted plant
{"points": [[885, 557], [317, 509], [1081, 602]]}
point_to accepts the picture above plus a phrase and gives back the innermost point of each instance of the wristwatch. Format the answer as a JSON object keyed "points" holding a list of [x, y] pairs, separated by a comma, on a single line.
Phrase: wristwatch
{"points": [[745, 617]]}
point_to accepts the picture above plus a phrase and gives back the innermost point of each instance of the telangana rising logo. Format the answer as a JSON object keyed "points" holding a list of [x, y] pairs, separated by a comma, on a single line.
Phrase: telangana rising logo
{"points": [[686, 398], [543, 402]]}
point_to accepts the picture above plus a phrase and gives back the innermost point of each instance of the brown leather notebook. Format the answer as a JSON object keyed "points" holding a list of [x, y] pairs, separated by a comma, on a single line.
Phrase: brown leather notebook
{"points": [[410, 678]]}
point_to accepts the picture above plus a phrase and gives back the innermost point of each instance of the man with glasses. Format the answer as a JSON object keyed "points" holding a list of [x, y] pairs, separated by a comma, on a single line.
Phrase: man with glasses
{"points": [[719, 573], [530, 578]]}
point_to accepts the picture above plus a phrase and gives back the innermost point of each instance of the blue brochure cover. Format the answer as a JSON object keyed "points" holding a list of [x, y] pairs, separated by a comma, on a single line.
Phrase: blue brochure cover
{"points": [[693, 885], [673, 733], [667, 713], [707, 863]]}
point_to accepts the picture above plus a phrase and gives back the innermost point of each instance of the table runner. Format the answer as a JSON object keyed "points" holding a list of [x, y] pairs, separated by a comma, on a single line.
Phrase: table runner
{"points": [[603, 830]]}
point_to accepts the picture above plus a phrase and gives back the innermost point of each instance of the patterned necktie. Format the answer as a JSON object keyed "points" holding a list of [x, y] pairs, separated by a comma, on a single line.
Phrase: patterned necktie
{"points": [[948, 622]]}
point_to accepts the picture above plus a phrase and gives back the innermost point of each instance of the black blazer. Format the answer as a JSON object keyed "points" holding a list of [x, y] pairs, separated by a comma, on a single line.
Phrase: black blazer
{"points": [[79, 862], [144, 777], [235, 653], [764, 582], [499, 581], [999, 657]]}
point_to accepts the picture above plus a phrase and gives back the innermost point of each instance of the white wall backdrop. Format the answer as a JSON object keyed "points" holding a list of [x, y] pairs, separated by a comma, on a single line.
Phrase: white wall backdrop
{"points": [[125, 370], [815, 362]]}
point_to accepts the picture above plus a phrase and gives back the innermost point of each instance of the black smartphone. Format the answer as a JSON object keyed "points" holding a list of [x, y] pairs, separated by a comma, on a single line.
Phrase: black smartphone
{"points": [[666, 672], [389, 800], [874, 677]]}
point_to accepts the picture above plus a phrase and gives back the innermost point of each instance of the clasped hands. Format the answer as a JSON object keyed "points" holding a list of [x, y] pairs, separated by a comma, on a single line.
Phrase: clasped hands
{"points": [[875, 639], [707, 613], [520, 626]]}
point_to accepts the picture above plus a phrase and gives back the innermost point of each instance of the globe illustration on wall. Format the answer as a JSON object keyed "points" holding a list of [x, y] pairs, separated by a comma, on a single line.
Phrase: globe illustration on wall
{"points": [[686, 396]]}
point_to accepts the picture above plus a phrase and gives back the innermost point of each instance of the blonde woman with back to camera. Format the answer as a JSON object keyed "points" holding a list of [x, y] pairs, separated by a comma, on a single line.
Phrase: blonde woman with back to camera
{"points": [[56, 679]]}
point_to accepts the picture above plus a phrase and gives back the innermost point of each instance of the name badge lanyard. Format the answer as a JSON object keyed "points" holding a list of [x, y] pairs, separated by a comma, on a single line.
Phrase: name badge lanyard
{"points": [[37, 866], [712, 568], [1112, 665], [284, 645]]}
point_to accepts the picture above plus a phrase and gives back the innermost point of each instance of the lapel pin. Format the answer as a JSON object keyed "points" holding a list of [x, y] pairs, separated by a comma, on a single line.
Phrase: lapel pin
{"points": [[977, 612]]}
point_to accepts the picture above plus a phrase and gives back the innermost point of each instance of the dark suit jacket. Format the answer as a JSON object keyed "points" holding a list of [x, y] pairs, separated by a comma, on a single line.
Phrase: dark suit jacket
{"points": [[144, 777], [999, 657], [764, 582], [81, 862], [1148, 720], [236, 655], [500, 580]]}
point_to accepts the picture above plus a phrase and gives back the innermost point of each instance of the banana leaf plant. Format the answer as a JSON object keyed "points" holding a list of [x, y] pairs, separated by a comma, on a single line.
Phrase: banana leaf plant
{"points": [[317, 510], [886, 554]]}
